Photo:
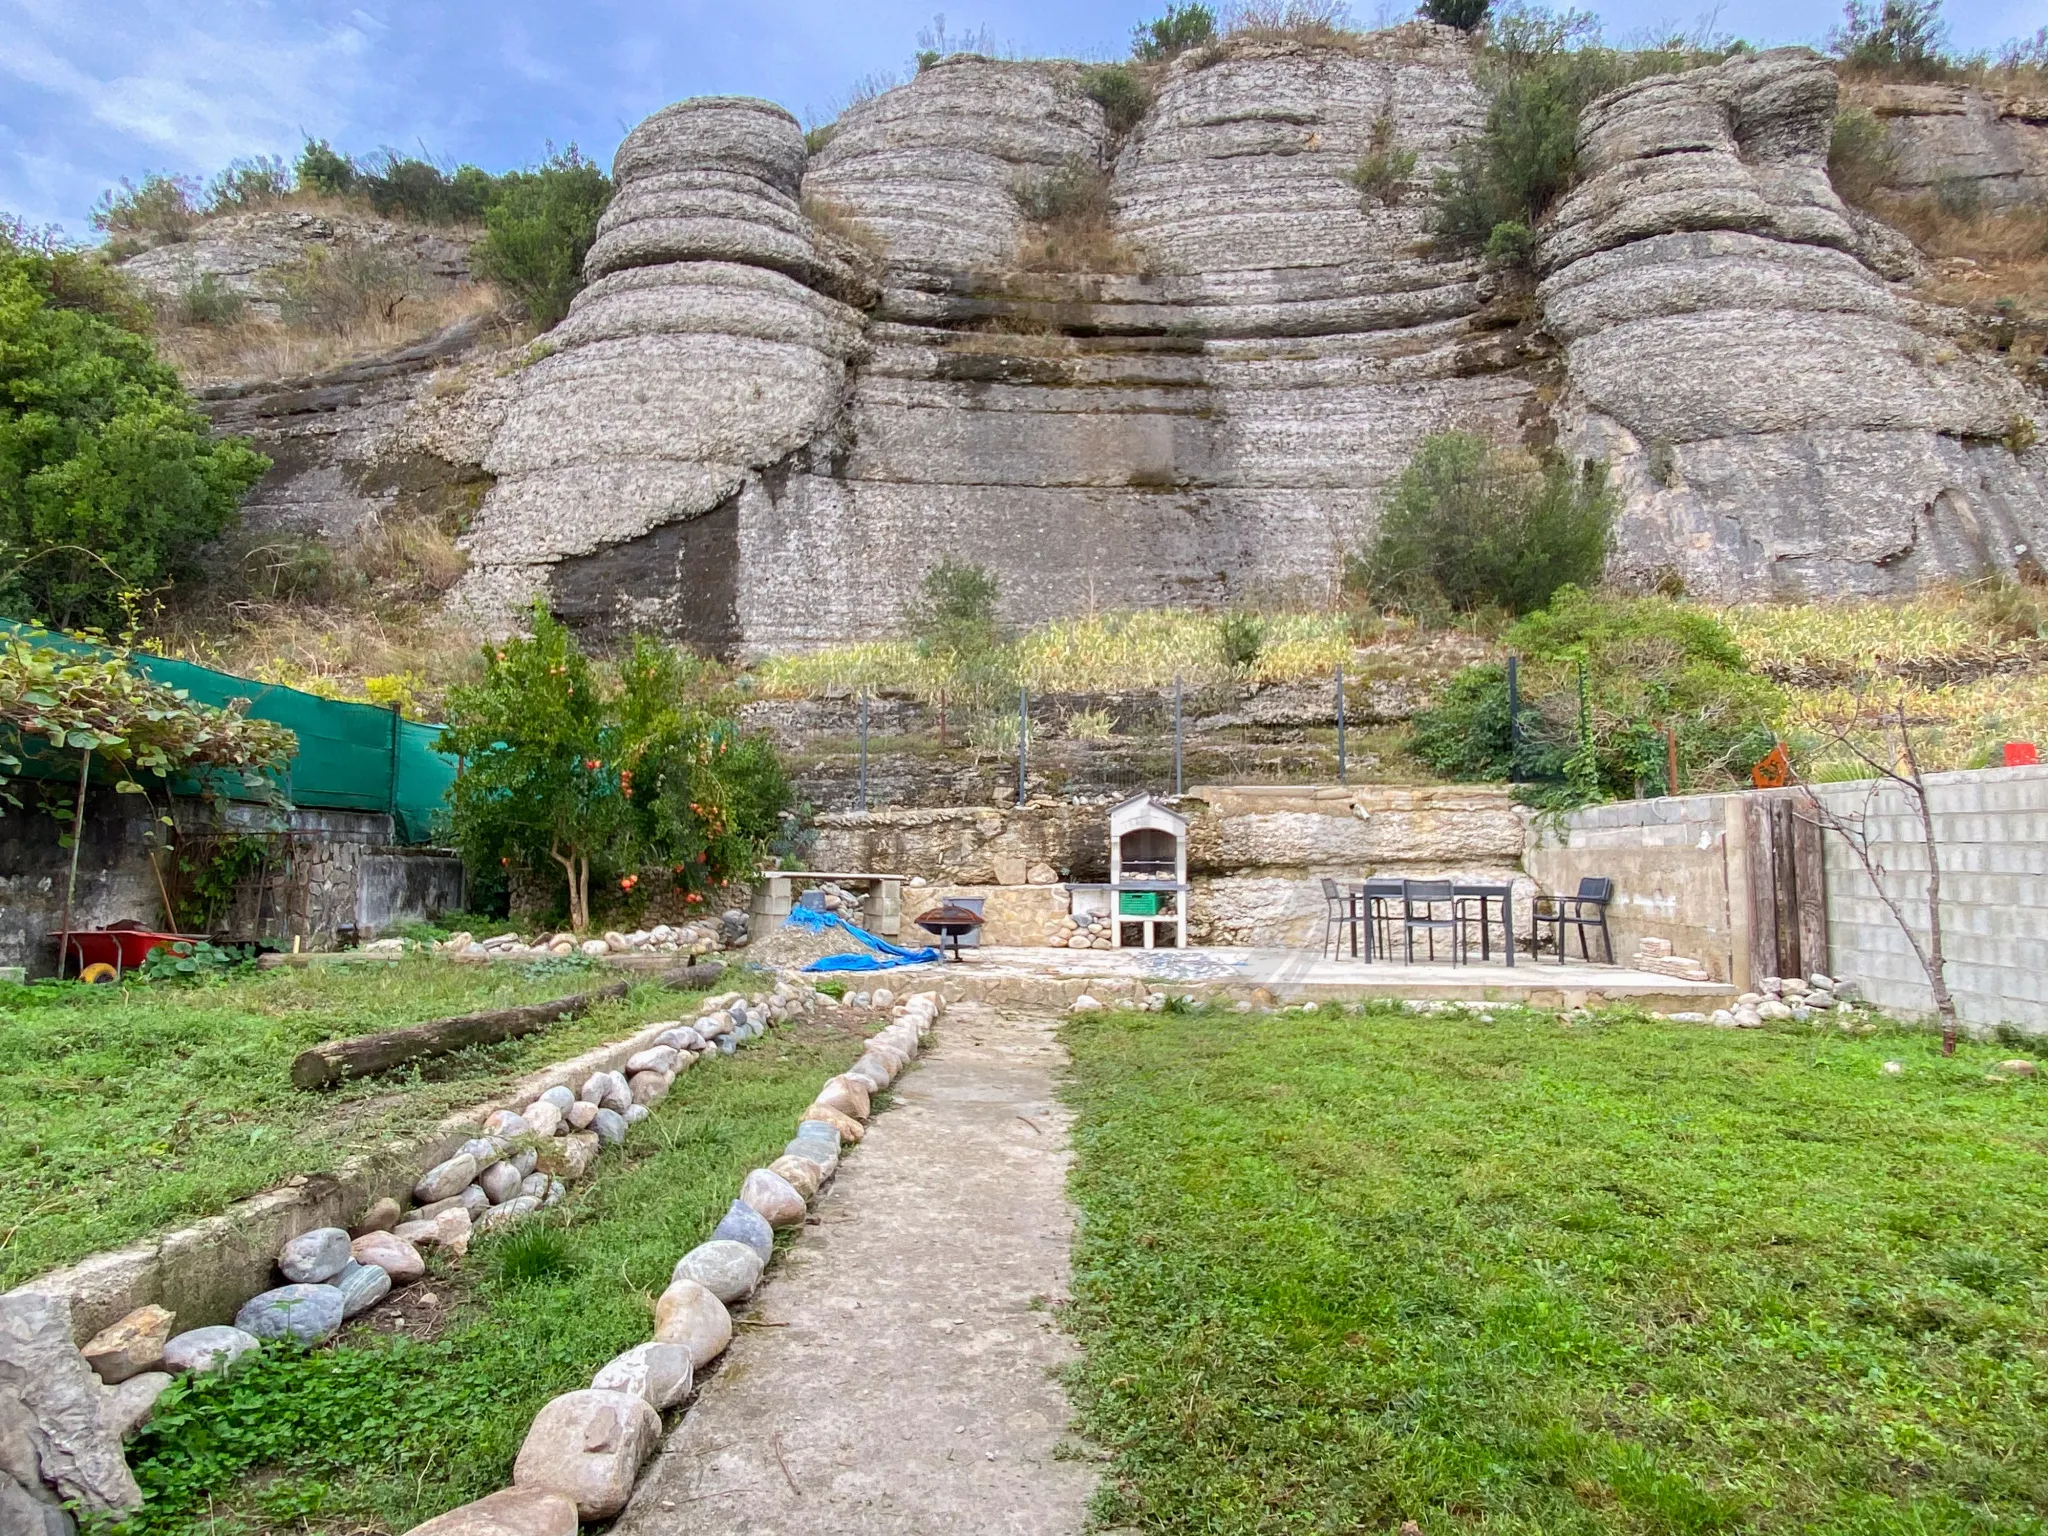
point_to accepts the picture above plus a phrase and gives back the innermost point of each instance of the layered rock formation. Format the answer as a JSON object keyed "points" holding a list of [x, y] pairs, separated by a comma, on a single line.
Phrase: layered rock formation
{"points": [[796, 381], [1961, 142], [1783, 421]]}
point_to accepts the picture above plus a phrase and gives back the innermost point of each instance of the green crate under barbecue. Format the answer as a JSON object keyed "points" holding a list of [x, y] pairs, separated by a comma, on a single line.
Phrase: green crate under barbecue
{"points": [[1139, 903]]}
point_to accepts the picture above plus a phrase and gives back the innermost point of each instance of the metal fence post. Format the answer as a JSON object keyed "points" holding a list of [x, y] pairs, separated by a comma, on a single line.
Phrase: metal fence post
{"points": [[1023, 740], [1514, 722], [1177, 781], [1343, 776], [863, 749]]}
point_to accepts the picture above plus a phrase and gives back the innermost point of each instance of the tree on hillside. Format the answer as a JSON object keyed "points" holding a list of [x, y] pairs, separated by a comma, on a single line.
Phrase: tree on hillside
{"points": [[1465, 15], [1906, 37], [110, 481], [1181, 28]]}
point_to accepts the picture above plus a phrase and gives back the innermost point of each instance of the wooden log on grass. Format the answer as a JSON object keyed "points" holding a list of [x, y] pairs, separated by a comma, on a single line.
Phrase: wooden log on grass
{"points": [[365, 1055]]}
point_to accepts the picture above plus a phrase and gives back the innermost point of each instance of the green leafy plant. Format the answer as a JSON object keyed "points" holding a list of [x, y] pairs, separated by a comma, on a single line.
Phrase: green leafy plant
{"points": [[1241, 636], [59, 703], [251, 183], [1075, 190], [163, 209], [1602, 680], [323, 171], [1861, 158], [190, 960], [1468, 525], [1465, 15], [110, 481], [1382, 172], [211, 871], [538, 228], [1120, 92], [208, 300], [1905, 38], [601, 776], [337, 288], [1181, 28]]}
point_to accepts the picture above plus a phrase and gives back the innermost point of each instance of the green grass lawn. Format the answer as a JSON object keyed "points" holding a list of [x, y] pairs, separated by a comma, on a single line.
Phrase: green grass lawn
{"points": [[1337, 1272], [124, 1111], [386, 1430]]}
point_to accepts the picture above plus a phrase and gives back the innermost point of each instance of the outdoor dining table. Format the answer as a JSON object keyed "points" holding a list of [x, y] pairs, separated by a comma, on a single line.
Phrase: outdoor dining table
{"points": [[1362, 897]]}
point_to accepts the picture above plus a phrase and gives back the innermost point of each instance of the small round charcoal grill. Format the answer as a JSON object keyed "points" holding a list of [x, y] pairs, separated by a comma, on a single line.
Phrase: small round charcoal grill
{"points": [[949, 922]]}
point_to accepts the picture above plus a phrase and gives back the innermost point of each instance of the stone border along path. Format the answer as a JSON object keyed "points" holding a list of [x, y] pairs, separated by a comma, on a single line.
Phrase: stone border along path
{"points": [[76, 1405], [585, 1448], [898, 1375]]}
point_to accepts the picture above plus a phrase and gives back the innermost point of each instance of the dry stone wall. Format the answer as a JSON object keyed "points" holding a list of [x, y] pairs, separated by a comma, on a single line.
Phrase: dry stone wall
{"points": [[797, 380]]}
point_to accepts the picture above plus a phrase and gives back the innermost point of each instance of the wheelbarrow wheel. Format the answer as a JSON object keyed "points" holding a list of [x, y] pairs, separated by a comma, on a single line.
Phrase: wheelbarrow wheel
{"points": [[99, 974]]}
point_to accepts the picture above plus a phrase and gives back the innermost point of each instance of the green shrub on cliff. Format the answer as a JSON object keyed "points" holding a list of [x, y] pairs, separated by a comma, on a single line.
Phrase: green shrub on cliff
{"points": [[1181, 28], [109, 479], [538, 228], [1117, 89], [1470, 526]]}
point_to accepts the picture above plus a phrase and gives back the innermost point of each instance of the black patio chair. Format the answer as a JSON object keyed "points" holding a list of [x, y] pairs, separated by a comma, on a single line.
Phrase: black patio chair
{"points": [[1420, 900], [1340, 913], [1586, 910]]}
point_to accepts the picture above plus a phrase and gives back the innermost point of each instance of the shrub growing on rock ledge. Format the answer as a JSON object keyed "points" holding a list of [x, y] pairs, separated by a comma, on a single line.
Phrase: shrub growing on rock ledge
{"points": [[1469, 526]]}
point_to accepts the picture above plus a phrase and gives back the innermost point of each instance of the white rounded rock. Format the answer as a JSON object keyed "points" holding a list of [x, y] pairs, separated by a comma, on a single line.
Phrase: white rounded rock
{"points": [[588, 1446], [208, 1349], [688, 1314], [728, 1270], [542, 1117], [656, 1372], [314, 1257], [772, 1195]]}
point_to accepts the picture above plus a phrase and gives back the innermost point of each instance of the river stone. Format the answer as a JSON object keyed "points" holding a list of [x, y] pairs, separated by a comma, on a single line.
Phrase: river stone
{"points": [[728, 1270], [393, 1254], [819, 1130], [313, 1258], [525, 1159], [853, 1088], [610, 1126], [588, 1446], [593, 1089], [362, 1286], [688, 1314], [560, 1097], [508, 1512], [582, 1114], [648, 1088], [849, 1129], [516, 1209], [812, 1150], [681, 1039], [871, 1072], [801, 1174], [636, 1114], [445, 1179], [656, 1372], [656, 1058], [772, 1195], [570, 1156], [508, 1123], [131, 1346], [208, 1349], [452, 1230], [485, 1149], [382, 1216], [743, 1224], [127, 1407], [308, 1313], [543, 1117], [556, 1189], [500, 1182], [536, 1185]]}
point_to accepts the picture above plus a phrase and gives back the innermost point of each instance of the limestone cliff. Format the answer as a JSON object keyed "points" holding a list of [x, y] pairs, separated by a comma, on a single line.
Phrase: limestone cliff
{"points": [[796, 380]]}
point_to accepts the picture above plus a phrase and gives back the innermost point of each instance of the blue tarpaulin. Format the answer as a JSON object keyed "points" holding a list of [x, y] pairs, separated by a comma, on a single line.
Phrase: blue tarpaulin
{"points": [[881, 956]]}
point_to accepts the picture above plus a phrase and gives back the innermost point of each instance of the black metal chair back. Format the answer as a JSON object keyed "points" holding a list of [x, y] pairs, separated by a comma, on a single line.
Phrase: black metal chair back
{"points": [[1419, 901], [1596, 888]]}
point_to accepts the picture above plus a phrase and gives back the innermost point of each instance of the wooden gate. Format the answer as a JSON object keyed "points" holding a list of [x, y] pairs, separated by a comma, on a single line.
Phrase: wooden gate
{"points": [[1788, 897]]}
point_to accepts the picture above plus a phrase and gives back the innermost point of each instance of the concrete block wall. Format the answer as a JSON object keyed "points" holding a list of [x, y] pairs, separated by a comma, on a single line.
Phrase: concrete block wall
{"points": [[1680, 868], [1991, 831]]}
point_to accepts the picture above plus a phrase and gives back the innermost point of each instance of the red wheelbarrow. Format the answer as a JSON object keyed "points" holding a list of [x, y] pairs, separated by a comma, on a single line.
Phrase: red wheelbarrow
{"points": [[118, 946]]}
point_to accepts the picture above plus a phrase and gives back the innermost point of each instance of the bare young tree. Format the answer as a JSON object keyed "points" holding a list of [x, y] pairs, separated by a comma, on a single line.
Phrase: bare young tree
{"points": [[1853, 828]]}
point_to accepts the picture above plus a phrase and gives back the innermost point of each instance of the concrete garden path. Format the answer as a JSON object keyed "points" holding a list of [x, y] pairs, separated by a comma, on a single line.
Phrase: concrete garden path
{"points": [[895, 1374]]}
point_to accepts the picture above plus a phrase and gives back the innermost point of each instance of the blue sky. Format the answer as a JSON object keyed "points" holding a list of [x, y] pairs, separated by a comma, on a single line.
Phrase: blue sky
{"points": [[92, 90]]}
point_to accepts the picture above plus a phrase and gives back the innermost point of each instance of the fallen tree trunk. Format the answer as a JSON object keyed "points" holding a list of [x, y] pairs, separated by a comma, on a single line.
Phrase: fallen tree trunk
{"points": [[365, 1055]]}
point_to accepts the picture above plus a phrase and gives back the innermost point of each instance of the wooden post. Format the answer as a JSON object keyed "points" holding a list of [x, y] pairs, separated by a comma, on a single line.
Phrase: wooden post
{"points": [[1809, 866], [1762, 893], [77, 839]]}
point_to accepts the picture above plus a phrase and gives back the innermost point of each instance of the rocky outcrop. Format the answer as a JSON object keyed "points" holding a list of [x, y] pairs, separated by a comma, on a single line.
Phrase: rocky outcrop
{"points": [[711, 343], [1782, 421], [754, 432], [1960, 142], [250, 253]]}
